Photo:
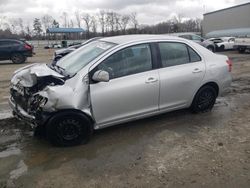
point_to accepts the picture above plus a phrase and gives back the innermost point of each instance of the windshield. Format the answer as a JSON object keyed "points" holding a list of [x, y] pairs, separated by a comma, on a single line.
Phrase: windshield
{"points": [[78, 59]]}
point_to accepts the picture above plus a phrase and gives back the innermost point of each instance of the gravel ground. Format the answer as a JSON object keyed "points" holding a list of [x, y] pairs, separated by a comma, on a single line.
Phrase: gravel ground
{"points": [[177, 149]]}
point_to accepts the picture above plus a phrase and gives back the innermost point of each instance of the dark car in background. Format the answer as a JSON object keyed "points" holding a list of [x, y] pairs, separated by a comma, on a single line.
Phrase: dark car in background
{"points": [[15, 50], [63, 52]]}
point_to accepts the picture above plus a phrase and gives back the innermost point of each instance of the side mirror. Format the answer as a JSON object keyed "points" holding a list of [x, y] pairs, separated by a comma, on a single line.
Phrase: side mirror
{"points": [[101, 76]]}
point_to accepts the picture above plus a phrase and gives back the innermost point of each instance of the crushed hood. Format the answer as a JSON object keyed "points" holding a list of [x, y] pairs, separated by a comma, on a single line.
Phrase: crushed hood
{"points": [[27, 76]]}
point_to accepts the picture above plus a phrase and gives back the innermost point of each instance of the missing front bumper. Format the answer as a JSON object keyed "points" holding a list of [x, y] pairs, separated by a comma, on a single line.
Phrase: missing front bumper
{"points": [[21, 114]]}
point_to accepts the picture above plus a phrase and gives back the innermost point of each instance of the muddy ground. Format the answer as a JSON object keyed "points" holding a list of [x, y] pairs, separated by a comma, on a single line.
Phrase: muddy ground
{"points": [[177, 149]]}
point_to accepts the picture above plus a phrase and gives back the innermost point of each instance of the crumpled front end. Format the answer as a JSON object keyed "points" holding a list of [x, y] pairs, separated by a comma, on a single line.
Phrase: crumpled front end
{"points": [[37, 91]]}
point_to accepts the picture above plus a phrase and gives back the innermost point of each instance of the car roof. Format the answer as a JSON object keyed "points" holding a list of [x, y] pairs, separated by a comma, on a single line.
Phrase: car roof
{"points": [[123, 39], [16, 40], [181, 34]]}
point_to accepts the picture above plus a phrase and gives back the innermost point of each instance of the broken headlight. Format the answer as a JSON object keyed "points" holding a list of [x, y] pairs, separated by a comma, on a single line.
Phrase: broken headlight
{"points": [[37, 101]]}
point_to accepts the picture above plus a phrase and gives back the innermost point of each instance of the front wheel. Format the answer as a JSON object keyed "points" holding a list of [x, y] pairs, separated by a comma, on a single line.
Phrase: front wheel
{"points": [[68, 129], [204, 99]]}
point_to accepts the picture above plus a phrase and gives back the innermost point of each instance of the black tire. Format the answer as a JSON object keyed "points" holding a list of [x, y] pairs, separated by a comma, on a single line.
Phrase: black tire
{"points": [[241, 50], [211, 48], [204, 99], [69, 129], [222, 48], [18, 58]]}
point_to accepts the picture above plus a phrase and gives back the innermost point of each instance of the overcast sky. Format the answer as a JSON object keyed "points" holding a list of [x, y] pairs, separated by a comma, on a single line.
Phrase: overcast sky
{"points": [[149, 11]]}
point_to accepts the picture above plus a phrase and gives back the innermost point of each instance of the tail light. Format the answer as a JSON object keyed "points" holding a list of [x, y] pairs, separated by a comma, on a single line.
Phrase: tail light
{"points": [[230, 64], [28, 47]]}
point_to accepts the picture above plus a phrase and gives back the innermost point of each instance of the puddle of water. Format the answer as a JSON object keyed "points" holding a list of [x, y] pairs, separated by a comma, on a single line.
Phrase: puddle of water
{"points": [[16, 173], [5, 114], [11, 150], [21, 169]]}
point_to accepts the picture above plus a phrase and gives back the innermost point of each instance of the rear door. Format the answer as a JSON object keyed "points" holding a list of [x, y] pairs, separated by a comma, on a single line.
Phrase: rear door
{"points": [[133, 89], [181, 74]]}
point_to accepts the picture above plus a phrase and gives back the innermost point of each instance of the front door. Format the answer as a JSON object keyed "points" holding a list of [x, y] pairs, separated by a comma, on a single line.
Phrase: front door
{"points": [[5, 49], [133, 89]]}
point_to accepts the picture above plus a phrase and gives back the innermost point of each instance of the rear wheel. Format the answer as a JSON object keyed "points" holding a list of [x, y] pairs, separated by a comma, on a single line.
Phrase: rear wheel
{"points": [[222, 48], [241, 50], [211, 48], [68, 129], [18, 58], [204, 99]]}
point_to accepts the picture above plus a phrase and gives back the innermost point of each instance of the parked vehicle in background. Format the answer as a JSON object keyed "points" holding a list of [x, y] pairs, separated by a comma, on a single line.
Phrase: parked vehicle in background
{"points": [[63, 52], [15, 50], [223, 43], [242, 44], [196, 38], [215, 40], [117, 79], [53, 46]]}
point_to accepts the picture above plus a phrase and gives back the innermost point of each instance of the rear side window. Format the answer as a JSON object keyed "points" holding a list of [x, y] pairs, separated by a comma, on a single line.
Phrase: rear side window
{"points": [[197, 38], [186, 37], [9, 43], [173, 54], [5, 43], [131, 60], [194, 57]]}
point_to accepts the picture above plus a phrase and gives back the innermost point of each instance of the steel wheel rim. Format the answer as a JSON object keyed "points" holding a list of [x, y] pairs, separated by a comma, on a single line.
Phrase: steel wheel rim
{"points": [[206, 99], [69, 129]]}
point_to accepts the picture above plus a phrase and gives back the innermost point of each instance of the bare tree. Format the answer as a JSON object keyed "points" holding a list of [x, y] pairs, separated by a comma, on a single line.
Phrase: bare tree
{"points": [[101, 19], [78, 18], [20, 24], [14, 25], [110, 22], [124, 23], [93, 24], [133, 18], [71, 23], [28, 30], [2, 21], [47, 21], [65, 19], [117, 18], [87, 19]]}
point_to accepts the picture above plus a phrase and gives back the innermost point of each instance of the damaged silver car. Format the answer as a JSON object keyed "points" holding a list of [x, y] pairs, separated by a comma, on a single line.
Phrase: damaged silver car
{"points": [[115, 80]]}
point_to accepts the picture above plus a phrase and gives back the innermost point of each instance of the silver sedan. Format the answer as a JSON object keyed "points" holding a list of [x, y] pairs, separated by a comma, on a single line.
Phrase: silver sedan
{"points": [[115, 80]]}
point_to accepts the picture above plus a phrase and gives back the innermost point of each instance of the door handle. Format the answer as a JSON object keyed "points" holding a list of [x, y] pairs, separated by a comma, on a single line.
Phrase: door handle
{"points": [[197, 70], [151, 80]]}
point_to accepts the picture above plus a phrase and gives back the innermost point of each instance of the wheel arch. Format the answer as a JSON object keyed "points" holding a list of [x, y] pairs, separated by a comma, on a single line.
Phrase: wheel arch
{"points": [[212, 84], [76, 111]]}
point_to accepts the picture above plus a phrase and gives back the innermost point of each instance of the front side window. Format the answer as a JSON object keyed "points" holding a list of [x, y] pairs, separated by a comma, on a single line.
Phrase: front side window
{"points": [[131, 60], [173, 54]]}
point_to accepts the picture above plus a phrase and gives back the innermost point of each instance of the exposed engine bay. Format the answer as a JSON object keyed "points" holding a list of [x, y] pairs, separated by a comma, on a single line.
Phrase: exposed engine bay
{"points": [[40, 89], [28, 98]]}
